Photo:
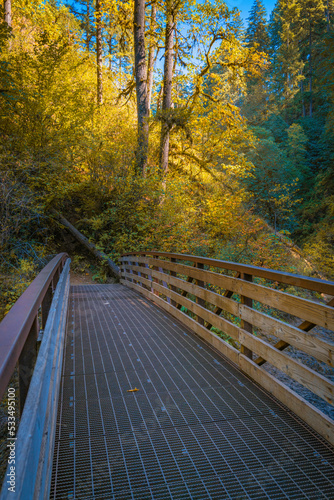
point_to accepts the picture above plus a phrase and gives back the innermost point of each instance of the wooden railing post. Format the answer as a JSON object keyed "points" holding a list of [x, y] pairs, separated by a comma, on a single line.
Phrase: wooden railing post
{"points": [[136, 273], [27, 361], [184, 292], [149, 277], [126, 264], [174, 289], [142, 273], [155, 280], [200, 301], [244, 324], [164, 284]]}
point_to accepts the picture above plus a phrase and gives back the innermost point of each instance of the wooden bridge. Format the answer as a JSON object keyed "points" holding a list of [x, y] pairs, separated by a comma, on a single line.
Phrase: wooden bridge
{"points": [[158, 387]]}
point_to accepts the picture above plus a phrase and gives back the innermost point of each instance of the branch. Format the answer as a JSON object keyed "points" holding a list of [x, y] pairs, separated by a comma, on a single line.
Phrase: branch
{"points": [[202, 164]]}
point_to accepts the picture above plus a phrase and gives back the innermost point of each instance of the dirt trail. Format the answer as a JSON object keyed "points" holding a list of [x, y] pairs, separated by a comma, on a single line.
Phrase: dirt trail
{"points": [[81, 279]]}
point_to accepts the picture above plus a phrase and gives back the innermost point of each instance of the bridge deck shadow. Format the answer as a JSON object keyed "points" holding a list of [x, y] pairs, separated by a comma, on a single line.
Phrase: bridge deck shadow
{"points": [[193, 427]]}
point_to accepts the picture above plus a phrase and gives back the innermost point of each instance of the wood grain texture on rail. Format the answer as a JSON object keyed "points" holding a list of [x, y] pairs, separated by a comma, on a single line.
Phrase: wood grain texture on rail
{"points": [[317, 313], [317, 383], [321, 349], [309, 283]]}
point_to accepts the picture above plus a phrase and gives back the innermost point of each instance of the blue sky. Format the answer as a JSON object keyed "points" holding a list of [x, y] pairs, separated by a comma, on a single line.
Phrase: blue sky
{"points": [[245, 6]]}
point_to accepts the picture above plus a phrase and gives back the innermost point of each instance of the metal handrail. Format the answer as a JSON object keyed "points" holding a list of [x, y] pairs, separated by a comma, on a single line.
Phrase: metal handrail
{"points": [[19, 329]]}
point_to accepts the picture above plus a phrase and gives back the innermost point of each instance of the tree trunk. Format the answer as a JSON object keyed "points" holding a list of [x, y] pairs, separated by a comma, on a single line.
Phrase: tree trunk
{"points": [[303, 101], [167, 87], [159, 98], [110, 51], [151, 57], [120, 63], [99, 52], [110, 39], [141, 85], [310, 68], [88, 27], [287, 72], [114, 269], [8, 12], [176, 49]]}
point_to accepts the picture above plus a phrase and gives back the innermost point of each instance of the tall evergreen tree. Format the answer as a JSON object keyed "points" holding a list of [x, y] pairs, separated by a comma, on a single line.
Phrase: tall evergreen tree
{"points": [[255, 102], [329, 11], [287, 64], [257, 30], [312, 23]]}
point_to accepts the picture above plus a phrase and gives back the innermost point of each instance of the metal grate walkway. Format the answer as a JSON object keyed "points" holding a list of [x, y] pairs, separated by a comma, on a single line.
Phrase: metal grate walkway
{"points": [[196, 428]]}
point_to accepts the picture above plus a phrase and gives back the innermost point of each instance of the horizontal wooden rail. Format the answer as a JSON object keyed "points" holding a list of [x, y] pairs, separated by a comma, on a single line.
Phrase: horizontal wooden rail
{"points": [[20, 327], [315, 284], [237, 307], [317, 313]]}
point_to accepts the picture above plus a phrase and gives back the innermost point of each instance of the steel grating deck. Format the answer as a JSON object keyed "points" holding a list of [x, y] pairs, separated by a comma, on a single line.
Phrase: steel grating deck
{"points": [[196, 428]]}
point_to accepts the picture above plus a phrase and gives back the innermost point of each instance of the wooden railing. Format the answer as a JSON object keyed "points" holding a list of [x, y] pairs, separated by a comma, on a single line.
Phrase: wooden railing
{"points": [[204, 295], [44, 304], [20, 328]]}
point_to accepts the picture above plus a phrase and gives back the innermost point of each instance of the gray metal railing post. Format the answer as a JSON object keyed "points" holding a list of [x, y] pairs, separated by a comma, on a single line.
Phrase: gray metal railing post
{"points": [[27, 362], [46, 303]]}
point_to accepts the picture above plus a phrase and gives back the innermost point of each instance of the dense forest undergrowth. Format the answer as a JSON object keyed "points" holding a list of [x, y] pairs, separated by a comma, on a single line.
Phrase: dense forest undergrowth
{"points": [[182, 131]]}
